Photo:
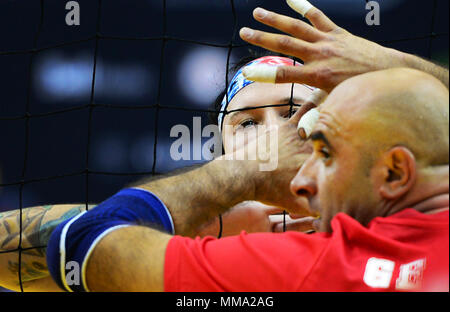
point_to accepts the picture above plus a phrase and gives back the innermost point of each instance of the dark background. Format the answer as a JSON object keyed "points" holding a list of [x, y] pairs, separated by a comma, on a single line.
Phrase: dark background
{"points": [[62, 142]]}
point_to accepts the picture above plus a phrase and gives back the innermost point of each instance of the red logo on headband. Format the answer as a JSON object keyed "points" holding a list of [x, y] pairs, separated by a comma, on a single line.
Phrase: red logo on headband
{"points": [[276, 61]]}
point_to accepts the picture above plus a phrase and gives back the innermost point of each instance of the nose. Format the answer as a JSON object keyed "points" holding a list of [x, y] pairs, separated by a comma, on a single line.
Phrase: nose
{"points": [[304, 184]]}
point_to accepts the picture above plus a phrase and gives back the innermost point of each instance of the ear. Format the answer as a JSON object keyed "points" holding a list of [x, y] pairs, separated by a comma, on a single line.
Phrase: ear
{"points": [[399, 170]]}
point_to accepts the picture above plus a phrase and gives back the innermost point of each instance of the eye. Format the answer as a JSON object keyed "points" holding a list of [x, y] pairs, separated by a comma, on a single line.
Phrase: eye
{"points": [[323, 151], [325, 155], [290, 113], [247, 123]]}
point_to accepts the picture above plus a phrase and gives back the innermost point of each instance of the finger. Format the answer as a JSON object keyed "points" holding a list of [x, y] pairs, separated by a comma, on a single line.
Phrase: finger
{"points": [[301, 225], [280, 74], [272, 210], [317, 97], [301, 111], [310, 113], [277, 218], [309, 74], [307, 123], [320, 20], [296, 216], [268, 209], [314, 15], [292, 26], [279, 43], [255, 205], [295, 74], [274, 219]]}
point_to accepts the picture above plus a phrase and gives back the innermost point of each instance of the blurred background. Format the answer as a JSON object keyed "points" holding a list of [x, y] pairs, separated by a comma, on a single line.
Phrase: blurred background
{"points": [[68, 139]]}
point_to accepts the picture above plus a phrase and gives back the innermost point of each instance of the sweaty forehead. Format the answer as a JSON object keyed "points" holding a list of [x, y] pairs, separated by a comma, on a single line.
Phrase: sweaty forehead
{"points": [[338, 120], [343, 110]]}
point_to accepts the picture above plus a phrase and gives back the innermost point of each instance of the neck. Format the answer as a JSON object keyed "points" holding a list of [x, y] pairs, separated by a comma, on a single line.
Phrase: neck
{"points": [[434, 204], [430, 194]]}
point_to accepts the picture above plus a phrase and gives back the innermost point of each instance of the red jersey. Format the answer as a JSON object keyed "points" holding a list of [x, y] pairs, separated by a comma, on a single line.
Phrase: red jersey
{"points": [[408, 251]]}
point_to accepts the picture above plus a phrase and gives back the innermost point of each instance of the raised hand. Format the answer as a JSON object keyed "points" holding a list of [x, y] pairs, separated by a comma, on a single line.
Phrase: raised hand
{"points": [[331, 54]]}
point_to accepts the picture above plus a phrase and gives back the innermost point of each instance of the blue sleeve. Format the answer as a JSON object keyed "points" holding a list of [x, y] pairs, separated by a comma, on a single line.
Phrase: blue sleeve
{"points": [[73, 240]]}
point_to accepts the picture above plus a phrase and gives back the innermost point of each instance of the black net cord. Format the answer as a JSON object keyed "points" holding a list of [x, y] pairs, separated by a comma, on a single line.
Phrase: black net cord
{"points": [[158, 97], [230, 50], [291, 110], [165, 38], [220, 227], [27, 140], [92, 101], [158, 105], [129, 107], [433, 35], [105, 37]]}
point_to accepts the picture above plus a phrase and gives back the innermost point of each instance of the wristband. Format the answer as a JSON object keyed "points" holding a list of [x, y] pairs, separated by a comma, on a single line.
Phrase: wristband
{"points": [[72, 241]]}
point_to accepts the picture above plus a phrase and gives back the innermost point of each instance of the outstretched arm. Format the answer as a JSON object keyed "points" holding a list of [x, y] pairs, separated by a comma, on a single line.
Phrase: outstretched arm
{"points": [[196, 197], [331, 54], [37, 224], [116, 245]]}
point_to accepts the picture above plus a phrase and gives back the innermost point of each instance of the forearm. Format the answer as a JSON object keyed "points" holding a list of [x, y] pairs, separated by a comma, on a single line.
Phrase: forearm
{"points": [[418, 63], [31, 234], [196, 197], [115, 265], [107, 230], [118, 227]]}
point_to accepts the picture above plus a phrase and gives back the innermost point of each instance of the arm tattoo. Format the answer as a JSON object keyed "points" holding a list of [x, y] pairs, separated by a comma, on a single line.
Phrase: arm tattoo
{"points": [[35, 236], [30, 271], [34, 232]]}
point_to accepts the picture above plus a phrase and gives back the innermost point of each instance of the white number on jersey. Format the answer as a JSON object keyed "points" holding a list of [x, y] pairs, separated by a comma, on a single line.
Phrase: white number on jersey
{"points": [[378, 272]]}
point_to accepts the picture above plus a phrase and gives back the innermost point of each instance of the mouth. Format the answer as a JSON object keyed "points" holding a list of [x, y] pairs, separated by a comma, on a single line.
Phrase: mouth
{"points": [[308, 209], [315, 214]]}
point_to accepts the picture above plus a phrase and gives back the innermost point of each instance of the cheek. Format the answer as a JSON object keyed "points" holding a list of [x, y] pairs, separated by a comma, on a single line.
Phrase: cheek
{"points": [[327, 186], [227, 144], [227, 148], [334, 184], [239, 140], [331, 195], [350, 186]]}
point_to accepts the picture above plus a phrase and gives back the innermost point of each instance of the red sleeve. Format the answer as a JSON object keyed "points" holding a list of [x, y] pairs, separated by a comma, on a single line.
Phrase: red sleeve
{"points": [[248, 262]]}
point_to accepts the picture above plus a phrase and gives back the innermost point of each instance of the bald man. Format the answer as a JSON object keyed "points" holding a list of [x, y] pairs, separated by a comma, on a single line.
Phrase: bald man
{"points": [[396, 133], [378, 179], [334, 55]]}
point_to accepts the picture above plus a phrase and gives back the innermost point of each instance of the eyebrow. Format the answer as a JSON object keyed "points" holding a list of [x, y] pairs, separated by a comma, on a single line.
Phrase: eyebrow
{"points": [[295, 102], [293, 99], [319, 136], [236, 112]]}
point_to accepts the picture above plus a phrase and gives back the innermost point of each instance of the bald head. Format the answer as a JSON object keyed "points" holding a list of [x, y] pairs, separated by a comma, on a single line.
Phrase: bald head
{"points": [[395, 107]]}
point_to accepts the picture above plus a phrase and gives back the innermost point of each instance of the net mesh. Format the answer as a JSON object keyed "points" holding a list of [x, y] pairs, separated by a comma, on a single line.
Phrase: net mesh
{"points": [[92, 105]]}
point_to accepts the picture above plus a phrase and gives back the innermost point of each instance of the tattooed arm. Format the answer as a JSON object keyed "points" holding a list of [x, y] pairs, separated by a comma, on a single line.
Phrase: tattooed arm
{"points": [[37, 226]]}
